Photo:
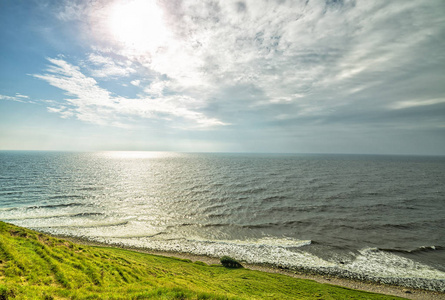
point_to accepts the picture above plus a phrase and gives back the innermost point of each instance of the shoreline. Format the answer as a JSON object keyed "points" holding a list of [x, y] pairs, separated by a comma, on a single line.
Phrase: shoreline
{"points": [[368, 286]]}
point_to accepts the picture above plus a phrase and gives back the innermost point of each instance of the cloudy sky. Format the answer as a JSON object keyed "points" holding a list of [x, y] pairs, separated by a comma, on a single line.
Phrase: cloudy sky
{"points": [[330, 76]]}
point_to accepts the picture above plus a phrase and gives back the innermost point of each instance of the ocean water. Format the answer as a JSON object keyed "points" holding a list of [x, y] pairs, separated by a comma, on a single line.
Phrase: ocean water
{"points": [[379, 218]]}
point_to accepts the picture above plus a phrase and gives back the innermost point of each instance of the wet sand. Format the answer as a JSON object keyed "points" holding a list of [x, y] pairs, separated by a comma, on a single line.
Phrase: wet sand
{"points": [[399, 291]]}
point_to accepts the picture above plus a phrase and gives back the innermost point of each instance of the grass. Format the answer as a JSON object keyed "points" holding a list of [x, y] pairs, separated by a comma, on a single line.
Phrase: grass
{"points": [[37, 266]]}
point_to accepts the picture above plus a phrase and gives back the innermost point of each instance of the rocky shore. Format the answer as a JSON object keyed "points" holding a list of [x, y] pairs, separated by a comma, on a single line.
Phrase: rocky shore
{"points": [[409, 288]]}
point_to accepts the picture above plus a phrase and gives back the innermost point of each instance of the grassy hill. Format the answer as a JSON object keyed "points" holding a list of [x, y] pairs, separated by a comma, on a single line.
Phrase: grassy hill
{"points": [[37, 266]]}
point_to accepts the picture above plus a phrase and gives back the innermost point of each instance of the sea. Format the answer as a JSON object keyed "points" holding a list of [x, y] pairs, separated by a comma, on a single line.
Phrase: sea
{"points": [[370, 217]]}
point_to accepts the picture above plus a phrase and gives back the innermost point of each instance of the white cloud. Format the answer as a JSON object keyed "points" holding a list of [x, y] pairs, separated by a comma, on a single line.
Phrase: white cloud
{"points": [[21, 96], [17, 98], [416, 103], [136, 82], [62, 110], [4, 97], [270, 65], [71, 10], [90, 103], [156, 88], [106, 67]]}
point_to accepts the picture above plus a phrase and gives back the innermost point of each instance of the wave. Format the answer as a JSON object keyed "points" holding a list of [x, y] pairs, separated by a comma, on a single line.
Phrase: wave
{"points": [[346, 223], [209, 209], [384, 207], [286, 253], [406, 226], [247, 226], [273, 224], [420, 249], [50, 206], [216, 215], [75, 215], [261, 242], [8, 208], [88, 188], [232, 225], [59, 205], [340, 223], [273, 199], [11, 193], [86, 214], [65, 196], [94, 225], [138, 236], [309, 208], [211, 225]]}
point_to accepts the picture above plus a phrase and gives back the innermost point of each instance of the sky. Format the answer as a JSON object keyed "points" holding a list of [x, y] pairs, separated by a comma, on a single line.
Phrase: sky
{"points": [[331, 76]]}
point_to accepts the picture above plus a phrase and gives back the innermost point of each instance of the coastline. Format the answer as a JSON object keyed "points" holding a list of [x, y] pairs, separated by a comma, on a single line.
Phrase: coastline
{"points": [[393, 290]]}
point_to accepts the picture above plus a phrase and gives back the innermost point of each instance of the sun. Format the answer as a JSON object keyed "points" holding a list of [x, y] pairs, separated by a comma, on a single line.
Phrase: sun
{"points": [[137, 25]]}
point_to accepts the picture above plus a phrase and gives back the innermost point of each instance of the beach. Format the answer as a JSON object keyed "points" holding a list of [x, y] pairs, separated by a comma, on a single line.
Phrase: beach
{"points": [[348, 283], [39, 266], [399, 291]]}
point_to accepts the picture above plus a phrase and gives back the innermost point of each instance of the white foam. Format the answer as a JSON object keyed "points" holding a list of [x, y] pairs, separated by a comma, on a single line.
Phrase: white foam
{"points": [[276, 251], [105, 229], [265, 250], [262, 242], [383, 264]]}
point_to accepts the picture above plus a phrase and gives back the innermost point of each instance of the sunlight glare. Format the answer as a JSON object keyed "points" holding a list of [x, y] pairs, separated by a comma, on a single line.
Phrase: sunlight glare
{"points": [[137, 154], [137, 25]]}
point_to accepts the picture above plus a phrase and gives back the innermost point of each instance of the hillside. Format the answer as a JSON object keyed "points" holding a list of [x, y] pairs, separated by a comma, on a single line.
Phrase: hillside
{"points": [[37, 266]]}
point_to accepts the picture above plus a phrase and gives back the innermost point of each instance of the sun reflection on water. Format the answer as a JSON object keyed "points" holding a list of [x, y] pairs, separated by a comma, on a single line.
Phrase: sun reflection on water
{"points": [[137, 154]]}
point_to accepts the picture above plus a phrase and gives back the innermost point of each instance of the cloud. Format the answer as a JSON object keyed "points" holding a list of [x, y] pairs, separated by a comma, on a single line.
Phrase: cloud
{"points": [[18, 95], [106, 67], [275, 68], [17, 98], [71, 10], [322, 59], [90, 103], [62, 111], [156, 87], [415, 103], [136, 82]]}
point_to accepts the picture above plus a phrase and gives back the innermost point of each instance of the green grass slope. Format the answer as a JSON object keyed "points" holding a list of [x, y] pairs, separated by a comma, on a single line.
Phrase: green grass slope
{"points": [[36, 266]]}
